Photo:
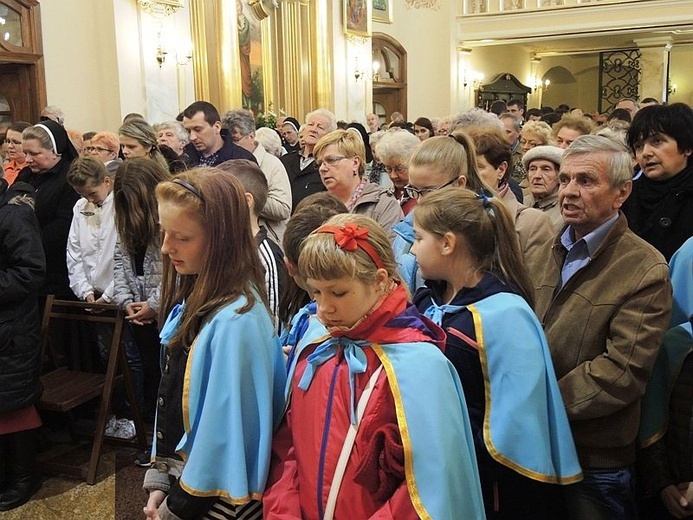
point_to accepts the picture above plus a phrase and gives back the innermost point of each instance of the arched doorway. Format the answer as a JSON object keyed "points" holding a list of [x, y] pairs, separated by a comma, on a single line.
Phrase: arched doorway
{"points": [[22, 76], [390, 83]]}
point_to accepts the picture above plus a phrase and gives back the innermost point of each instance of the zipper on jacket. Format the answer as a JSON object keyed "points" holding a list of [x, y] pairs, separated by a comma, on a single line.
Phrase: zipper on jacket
{"points": [[325, 432]]}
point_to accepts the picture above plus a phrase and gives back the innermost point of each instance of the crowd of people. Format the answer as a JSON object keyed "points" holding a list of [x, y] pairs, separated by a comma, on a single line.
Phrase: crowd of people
{"points": [[486, 315]]}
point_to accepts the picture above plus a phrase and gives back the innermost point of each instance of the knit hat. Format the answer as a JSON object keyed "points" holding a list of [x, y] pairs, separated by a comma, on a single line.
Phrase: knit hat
{"points": [[548, 153], [293, 122]]}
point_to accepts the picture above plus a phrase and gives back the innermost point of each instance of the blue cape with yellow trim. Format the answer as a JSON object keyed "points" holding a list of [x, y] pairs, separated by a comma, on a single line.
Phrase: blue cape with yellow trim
{"points": [[233, 396], [654, 417], [440, 462], [525, 424]]}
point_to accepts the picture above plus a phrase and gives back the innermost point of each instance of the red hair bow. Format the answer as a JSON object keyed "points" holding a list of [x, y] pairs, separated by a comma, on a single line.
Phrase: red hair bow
{"points": [[350, 237]]}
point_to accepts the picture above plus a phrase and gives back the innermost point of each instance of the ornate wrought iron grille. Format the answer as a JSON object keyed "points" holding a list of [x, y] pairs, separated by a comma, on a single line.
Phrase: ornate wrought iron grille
{"points": [[619, 77]]}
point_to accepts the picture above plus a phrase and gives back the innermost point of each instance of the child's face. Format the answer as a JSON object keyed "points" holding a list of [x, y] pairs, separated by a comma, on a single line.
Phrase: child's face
{"points": [[427, 249], [185, 239], [344, 301], [96, 193]]}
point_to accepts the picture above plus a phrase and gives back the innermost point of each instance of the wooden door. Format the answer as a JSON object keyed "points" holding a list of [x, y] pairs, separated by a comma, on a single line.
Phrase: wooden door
{"points": [[16, 89]]}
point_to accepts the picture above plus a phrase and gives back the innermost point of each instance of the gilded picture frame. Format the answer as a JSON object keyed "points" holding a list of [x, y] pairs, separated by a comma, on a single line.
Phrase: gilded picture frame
{"points": [[382, 11], [357, 17]]}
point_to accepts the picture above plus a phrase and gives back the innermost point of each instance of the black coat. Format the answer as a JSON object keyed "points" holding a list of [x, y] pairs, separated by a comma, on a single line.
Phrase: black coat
{"points": [[661, 212], [22, 268], [303, 182], [55, 199], [227, 152]]}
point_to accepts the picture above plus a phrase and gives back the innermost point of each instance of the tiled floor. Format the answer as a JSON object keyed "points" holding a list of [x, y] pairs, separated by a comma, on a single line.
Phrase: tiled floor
{"points": [[116, 495]]}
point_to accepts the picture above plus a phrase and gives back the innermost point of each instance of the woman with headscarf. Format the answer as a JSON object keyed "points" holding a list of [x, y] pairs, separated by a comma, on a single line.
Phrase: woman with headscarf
{"points": [[48, 155]]}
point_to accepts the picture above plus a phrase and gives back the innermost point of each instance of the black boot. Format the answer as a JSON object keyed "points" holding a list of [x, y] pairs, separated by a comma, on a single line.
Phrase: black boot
{"points": [[3, 470], [23, 481]]}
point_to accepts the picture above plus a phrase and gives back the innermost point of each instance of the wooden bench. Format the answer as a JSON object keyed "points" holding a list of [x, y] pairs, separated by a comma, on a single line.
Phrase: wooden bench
{"points": [[65, 389]]}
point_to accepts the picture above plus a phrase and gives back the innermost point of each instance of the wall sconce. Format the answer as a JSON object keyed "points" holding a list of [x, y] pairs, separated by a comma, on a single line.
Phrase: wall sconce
{"points": [[474, 77], [671, 87], [160, 51], [359, 73], [539, 85]]}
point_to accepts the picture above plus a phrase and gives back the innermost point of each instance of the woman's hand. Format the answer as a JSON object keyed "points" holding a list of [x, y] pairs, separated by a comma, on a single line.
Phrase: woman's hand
{"points": [[139, 313], [675, 502], [151, 510]]}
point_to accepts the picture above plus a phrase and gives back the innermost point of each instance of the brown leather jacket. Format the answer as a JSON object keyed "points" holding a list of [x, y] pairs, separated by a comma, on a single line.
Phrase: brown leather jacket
{"points": [[604, 329]]}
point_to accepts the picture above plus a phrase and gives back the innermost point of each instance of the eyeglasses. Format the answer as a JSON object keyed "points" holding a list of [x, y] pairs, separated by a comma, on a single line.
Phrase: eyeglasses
{"points": [[97, 149], [415, 193], [12, 141], [399, 169], [330, 160], [530, 142]]}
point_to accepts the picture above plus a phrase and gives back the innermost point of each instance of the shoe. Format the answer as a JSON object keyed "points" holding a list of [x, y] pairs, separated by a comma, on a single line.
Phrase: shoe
{"points": [[24, 481], [125, 430], [144, 459], [111, 426]]}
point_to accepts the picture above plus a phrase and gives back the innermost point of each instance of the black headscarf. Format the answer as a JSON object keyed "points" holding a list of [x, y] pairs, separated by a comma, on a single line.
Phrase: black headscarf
{"points": [[364, 137], [62, 144]]}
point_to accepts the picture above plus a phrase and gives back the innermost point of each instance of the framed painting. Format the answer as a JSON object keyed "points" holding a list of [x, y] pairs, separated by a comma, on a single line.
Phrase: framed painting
{"points": [[382, 11], [357, 17]]}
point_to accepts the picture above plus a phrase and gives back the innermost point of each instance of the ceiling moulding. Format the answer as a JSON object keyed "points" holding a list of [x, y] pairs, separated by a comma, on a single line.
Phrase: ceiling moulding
{"points": [[574, 21], [160, 7], [422, 4]]}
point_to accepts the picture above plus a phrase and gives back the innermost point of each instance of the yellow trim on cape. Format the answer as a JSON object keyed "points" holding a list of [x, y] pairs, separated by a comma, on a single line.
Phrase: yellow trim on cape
{"points": [[219, 493], [404, 431], [493, 451]]}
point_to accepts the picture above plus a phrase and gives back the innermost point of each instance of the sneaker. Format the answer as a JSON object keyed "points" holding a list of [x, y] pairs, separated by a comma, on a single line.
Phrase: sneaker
{"points": [[111, 426], [126, 429], [144, 459]]}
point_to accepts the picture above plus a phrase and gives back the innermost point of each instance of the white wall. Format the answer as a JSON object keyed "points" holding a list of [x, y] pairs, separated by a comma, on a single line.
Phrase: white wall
{"points": [[81, 63], [98, 68], [427, 36]]}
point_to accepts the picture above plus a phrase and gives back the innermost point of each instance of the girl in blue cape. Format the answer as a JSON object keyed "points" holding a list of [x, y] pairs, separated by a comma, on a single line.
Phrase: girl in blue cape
{"points": [[222, 383], [478, 290], [376, 425]]}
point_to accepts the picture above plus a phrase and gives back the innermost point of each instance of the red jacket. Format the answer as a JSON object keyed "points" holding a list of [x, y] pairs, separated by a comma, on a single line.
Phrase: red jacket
{"points": [[373, 485]]}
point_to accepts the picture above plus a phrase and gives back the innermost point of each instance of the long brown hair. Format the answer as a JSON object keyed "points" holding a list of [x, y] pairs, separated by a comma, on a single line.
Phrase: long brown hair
{"points": [[136, 214], [486, 227], [231, 267]]}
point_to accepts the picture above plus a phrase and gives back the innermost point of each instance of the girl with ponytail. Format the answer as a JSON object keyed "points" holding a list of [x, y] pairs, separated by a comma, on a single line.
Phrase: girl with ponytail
{"points": [[478, 290]]}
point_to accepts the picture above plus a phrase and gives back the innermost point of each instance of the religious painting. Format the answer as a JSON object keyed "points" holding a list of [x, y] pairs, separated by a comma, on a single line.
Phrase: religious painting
{"points": [[250, 56], [356, 17], [382, 11]]}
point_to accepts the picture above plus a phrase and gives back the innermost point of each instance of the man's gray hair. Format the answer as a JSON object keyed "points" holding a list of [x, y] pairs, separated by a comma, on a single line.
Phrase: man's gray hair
{"points": [[517, 121], [241, 119], [619, 165], [332, 120], [474, 118]]}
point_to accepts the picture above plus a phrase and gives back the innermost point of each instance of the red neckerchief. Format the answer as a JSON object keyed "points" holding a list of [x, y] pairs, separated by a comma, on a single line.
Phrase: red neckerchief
{"points": [[395, 320]]}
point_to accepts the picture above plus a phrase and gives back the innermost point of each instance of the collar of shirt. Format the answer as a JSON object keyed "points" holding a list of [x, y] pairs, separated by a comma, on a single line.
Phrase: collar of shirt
{"points": [[580, 252]]}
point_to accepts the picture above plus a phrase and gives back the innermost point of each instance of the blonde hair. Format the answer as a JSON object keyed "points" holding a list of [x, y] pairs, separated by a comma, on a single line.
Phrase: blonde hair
{"points": [[486, 227], [347, 142], [322, 259], [539, 128], [453, 155]]}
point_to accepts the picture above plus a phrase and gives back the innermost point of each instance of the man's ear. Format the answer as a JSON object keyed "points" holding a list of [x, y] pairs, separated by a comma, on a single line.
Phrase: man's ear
{"points": [[291, 268], [251, 202]]}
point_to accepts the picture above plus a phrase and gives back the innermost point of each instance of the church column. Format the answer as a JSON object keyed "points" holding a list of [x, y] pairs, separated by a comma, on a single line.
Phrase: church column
{"points": [[654, 67]]}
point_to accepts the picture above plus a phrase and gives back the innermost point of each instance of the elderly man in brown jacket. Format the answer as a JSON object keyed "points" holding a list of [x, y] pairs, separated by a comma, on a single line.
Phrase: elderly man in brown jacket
{"points": [[604, 300]]}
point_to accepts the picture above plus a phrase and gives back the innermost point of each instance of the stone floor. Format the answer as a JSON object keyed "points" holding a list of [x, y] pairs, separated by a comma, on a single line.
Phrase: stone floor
{"points": [[117, 494]]}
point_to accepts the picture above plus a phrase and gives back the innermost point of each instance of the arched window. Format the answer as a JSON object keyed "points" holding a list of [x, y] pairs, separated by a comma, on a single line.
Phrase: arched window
{"points": [[390, 83]]}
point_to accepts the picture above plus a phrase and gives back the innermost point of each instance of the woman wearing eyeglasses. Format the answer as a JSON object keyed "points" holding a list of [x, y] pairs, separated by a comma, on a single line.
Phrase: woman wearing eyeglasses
{"points": [[104, 146], [436, 163], [341, 158], [15, 154], [394, 150]]}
